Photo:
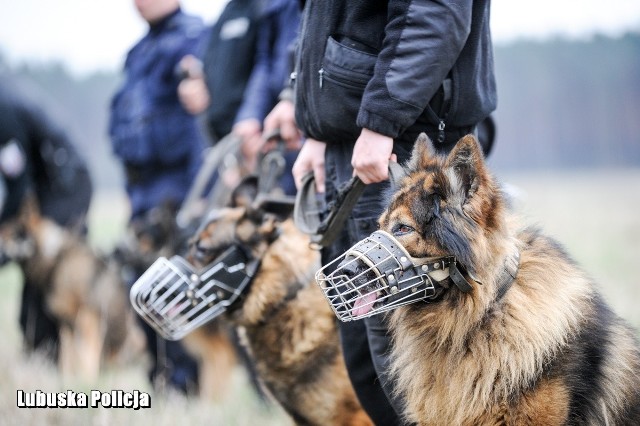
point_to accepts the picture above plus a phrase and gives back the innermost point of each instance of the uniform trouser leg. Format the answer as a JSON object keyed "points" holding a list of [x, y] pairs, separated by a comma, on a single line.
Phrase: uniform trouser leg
{"points": [[365, 343], [362, 371]]}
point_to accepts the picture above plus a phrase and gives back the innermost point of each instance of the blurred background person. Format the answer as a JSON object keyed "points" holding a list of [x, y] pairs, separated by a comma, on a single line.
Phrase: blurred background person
{"points": [[216, 85], [246, 65], [159, 143], [37, 157]]}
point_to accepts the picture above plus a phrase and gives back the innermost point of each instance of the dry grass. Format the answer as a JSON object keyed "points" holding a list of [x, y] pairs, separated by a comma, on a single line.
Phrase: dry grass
{"points": [[593, 214]]}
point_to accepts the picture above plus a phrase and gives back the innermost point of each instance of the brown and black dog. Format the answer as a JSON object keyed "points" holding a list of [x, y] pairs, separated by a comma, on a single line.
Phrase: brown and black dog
{"points": [[546, 350], [156, 234], [82, 291], [289, 330]]}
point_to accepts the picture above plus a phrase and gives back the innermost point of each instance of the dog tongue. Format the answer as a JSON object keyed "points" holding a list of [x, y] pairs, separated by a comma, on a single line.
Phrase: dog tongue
{"points": [[364, 304]]}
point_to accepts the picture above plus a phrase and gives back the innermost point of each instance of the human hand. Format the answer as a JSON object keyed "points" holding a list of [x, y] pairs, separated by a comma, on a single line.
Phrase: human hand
{"points": [[192, 90], [274, 140], [249, 131], [193, 95], [371, 155], [282, 118], [310, 158]]}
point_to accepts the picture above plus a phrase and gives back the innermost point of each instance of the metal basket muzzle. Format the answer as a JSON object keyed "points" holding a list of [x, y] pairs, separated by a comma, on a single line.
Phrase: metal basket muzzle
{"points": [[376, 275], [174, 299]]}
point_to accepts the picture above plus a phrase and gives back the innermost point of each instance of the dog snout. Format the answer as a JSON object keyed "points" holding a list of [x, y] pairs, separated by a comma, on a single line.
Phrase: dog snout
{"points": [[349, 267]]}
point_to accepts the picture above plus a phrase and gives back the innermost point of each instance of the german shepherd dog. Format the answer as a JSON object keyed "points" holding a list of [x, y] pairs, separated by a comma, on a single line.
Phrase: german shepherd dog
{"points": [[82, 291], [157, 234], [288, 329], [544, 350]]}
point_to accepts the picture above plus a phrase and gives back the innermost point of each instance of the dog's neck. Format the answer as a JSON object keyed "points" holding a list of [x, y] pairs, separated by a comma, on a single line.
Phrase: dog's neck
{"points": [[280, 276]]}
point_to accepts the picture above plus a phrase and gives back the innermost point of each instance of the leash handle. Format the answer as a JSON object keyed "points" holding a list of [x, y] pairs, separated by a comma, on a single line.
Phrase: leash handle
{"points": [[271, 165], [308, 208]]}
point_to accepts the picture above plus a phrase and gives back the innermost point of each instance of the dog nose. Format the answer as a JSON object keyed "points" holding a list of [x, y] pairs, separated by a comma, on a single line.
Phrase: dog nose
{"points": [[349, 267]]}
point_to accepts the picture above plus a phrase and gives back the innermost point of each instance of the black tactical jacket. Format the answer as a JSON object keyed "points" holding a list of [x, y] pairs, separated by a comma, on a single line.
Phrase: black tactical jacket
{"points": [[394, 67]]}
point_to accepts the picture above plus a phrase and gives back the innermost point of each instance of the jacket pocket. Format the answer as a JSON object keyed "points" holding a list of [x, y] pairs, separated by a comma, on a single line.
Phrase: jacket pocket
{"points": [[144, 134], [342, 78]]}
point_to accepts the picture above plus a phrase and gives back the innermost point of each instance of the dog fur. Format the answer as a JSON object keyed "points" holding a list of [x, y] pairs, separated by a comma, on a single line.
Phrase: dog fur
{"points": [[289, 329], [549, 352], [83, 292]]}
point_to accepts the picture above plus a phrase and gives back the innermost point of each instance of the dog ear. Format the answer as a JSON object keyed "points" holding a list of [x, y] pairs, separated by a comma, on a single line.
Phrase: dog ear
{"points": [[259, 226], [423, 153], [467, 161], [270, 226], [246, 191]]}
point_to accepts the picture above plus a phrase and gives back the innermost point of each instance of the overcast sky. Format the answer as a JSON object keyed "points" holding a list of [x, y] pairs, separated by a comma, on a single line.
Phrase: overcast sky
{"points": [[89, 35]]}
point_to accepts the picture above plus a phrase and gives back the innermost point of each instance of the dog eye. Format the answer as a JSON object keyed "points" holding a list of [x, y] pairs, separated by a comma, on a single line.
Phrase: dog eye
{"points": [[401, 229]]}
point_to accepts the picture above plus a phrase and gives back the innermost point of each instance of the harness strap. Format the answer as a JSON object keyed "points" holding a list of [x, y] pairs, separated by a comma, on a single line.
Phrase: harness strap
{"points": [[508, 274], [505, 279]]}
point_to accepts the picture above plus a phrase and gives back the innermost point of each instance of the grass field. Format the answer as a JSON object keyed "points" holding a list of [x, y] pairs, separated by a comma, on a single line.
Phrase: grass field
{"points": [[593, 214]]}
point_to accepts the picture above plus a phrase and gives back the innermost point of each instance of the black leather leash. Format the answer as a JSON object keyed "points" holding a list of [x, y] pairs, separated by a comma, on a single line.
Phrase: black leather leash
{"points": [[309, 207]]}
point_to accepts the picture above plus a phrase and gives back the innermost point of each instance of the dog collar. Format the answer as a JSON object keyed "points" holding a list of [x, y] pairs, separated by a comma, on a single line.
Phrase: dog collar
{"points": [[377, 274], [175, 299]]}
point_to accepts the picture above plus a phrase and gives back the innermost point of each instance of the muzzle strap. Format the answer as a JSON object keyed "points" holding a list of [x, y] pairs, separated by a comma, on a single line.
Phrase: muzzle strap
{"points": [[458, 279], [508, 274]]}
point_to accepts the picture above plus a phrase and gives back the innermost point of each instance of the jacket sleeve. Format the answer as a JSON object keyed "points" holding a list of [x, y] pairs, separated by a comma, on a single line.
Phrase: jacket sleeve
{"points": [[276, 32], [421, 43], [192, 40]]}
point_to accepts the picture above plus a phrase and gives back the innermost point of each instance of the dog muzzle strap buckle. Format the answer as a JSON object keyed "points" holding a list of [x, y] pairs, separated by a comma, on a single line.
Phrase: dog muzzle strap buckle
{"points": [[175, 299], [377, 274]]}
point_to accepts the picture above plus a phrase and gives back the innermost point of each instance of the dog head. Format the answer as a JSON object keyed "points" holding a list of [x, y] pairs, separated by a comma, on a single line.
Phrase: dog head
{"points": [[242, 223], [148, 237], [266, 233], [449, 206], [443, 229], [31, 239]]}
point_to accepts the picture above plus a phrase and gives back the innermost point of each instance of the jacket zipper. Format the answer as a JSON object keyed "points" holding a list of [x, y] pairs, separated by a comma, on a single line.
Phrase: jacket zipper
{"points": [[441, 127], [446, 106], [340, 78]]}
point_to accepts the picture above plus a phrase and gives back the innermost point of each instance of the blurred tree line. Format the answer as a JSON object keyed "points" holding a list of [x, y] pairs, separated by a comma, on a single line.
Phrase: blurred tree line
{"points": [[561, 104], [568, 104]]}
